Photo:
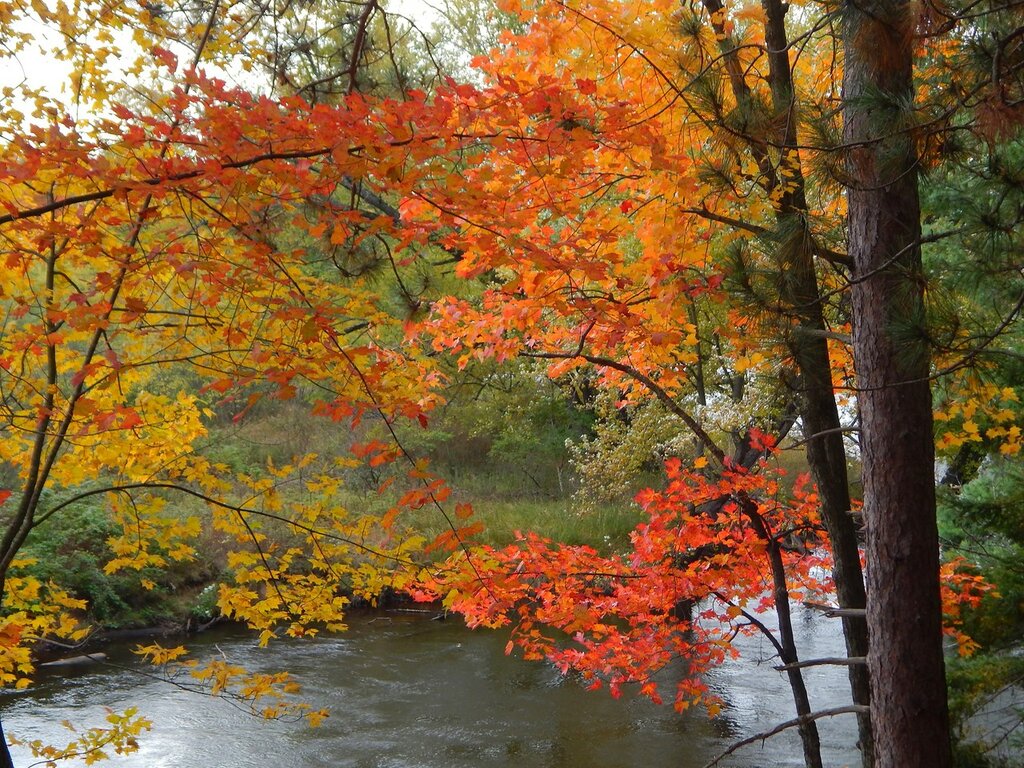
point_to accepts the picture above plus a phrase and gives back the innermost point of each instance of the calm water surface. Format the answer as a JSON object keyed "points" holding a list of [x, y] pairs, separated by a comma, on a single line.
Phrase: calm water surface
{"points": [[407, 692]]}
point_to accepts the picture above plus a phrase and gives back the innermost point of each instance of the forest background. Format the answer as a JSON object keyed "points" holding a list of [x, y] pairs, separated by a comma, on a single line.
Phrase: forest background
{"points": [[299, 305]]}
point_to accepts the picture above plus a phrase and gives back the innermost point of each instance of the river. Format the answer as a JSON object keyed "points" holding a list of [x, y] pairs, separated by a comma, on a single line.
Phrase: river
{"points": [[408, 692]]}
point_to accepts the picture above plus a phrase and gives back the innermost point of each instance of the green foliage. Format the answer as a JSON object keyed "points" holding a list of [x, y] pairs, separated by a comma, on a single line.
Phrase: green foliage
{"points": [[983, 729], [468, 28], [204, 606], [503, 432], [76, 553], [985, 521], [276, 431], [627, 448], [989, 529], [313, 48], [978, 195], [992, 504], [972, 755], [606, 528], [974, 208]]}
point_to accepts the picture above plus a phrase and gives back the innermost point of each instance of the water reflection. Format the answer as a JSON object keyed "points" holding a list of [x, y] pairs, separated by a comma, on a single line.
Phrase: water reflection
{"points": [[405, 692]]}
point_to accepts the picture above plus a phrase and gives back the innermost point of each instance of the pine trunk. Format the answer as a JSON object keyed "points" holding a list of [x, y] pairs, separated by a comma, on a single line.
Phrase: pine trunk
{"points": [[798, 288], [908, 691]]}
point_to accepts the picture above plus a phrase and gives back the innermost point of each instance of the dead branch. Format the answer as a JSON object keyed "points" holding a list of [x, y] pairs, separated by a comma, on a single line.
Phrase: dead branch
{"points": [[832, 612], [848, 661], [796, 721]]}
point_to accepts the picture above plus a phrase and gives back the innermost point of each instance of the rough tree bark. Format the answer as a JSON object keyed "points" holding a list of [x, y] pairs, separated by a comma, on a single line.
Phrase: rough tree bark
{"points": [[908, 692], [798, 288], [800, 296]]}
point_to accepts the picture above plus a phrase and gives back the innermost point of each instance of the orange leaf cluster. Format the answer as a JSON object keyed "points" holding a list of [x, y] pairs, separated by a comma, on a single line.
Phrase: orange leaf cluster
{"points": [[696, 571]]}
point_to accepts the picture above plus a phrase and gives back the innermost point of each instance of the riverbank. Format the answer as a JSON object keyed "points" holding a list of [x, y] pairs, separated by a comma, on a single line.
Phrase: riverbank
{"points": [[183, 595]]}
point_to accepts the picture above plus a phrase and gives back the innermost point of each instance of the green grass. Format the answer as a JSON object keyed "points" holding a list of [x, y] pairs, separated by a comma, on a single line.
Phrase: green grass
{"points": [[606, 529]]}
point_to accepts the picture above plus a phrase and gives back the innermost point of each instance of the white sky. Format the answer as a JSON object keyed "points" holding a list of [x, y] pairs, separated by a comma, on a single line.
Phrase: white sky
{"points": [[37, 68]]}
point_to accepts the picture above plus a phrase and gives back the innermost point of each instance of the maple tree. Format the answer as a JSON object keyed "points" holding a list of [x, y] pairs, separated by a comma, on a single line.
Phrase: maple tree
{"points": [[193, 227], [633, 313]]}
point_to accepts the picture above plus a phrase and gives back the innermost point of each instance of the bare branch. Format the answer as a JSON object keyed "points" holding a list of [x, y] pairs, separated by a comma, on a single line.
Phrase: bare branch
{"points": [[829, 612], [841, 661], [855, 709]]}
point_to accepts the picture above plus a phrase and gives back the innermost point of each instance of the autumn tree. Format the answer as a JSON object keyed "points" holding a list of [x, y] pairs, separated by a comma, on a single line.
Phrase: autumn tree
{"points": [[908, 682], [978, 441], [894, 338], [711, 177], [729, 150], [176, 223]]}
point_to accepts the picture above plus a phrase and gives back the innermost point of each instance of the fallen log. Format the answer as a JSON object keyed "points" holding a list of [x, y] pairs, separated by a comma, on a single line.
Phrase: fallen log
{"points": [[76, 661]]}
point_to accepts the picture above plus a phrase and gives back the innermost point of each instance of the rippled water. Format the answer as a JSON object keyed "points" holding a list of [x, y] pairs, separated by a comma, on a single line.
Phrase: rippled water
{"points": [[406, 692]]}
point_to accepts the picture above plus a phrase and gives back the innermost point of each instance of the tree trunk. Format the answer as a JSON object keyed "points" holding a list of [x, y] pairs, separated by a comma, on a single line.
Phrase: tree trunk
{"points": [[809, 737], [908, 691], [827, 459], [798, 289], [5, 754]]}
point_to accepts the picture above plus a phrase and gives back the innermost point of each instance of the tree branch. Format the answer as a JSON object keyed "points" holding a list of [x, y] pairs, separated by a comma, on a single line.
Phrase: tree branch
{"points": [[795, 722], [829, 612], [122, 488], [847, 661]]}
